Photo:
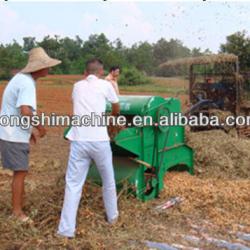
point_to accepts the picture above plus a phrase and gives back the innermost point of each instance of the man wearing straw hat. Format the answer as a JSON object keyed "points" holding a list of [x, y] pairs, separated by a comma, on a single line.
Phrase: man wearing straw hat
{"points": [[19, 99]]}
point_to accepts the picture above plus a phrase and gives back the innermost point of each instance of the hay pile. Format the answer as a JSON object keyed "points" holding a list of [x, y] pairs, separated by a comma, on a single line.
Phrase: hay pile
{"points": [[44, 205], [208, 59], [225, 203], [222, 116], [220, 155]]}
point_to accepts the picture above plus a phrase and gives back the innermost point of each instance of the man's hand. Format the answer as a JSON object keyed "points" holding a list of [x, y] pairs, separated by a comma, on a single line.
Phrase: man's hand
{"points": [[41, 130], [33, 138], [27, 111], [113, 130], [115, 109]]}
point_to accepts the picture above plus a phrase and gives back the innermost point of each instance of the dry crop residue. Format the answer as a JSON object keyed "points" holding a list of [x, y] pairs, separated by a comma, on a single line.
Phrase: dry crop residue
{"points": [[220, 155]]}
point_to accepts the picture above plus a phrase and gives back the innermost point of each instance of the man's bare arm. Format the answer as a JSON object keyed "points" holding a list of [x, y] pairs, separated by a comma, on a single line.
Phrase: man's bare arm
{"points": [[27, 111], [115, 109]]}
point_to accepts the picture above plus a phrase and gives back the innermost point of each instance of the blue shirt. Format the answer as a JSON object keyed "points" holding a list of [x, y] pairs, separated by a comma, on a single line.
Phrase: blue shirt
{"points": [[21, 90]]}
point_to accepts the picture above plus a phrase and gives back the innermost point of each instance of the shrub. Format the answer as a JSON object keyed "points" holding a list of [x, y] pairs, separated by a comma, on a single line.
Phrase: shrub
{"points": [[132, 76], [5, 74]]}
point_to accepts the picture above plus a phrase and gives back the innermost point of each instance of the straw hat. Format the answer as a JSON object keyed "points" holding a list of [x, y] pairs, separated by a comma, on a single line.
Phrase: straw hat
{"points": [[39, 59]]}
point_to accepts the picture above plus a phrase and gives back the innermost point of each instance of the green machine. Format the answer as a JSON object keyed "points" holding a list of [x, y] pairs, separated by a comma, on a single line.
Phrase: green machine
{"points": [[142, 155]]}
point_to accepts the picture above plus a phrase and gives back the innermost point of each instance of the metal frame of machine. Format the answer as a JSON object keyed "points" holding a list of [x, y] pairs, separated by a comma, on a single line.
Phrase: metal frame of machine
{"points": [[214, 83]]}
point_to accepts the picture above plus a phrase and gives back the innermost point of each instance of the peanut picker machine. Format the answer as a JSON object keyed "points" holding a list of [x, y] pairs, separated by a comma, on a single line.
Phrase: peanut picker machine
{"points": [[142, 155]]}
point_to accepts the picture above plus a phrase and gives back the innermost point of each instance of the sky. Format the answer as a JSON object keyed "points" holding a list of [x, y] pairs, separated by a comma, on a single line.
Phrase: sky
{"points": [[196, 24]]}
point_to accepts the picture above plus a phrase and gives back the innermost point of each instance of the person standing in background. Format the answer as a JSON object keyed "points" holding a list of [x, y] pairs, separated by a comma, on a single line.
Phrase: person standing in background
{"points": [[113, 77]]}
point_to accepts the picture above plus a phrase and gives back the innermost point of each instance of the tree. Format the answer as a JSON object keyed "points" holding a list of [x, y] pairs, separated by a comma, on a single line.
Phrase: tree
{"points": [[52, 46], [29, 43], [165, 50], [238, 44], [11, 57], [74, 52], [141, 56]]}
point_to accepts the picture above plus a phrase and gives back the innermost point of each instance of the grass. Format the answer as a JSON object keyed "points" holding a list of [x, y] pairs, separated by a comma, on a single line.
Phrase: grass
{"points": [[152, 88], [159, 85]]}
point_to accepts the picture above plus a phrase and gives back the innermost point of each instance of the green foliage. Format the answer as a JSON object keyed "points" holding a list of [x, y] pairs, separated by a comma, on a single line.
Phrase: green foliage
{"points": [[137, 61], [167, 50], [239, 44], [141, 56], [74, 53], [132, 76], [11, 58]]}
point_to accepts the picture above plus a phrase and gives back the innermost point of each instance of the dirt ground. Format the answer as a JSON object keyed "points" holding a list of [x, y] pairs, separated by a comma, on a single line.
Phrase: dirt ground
{"points": [[214, 213]]}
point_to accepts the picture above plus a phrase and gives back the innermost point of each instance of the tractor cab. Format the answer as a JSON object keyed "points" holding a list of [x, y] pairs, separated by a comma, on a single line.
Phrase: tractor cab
{"points": [[214, 85]]}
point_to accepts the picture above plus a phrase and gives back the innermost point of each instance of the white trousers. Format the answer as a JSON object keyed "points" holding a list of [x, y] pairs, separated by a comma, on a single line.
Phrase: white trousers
{"points": [[81, 155]]}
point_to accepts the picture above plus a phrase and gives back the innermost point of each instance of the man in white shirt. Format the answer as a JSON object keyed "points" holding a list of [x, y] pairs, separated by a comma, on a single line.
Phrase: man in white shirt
{"points": [[19, 99], [89, 143]]}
